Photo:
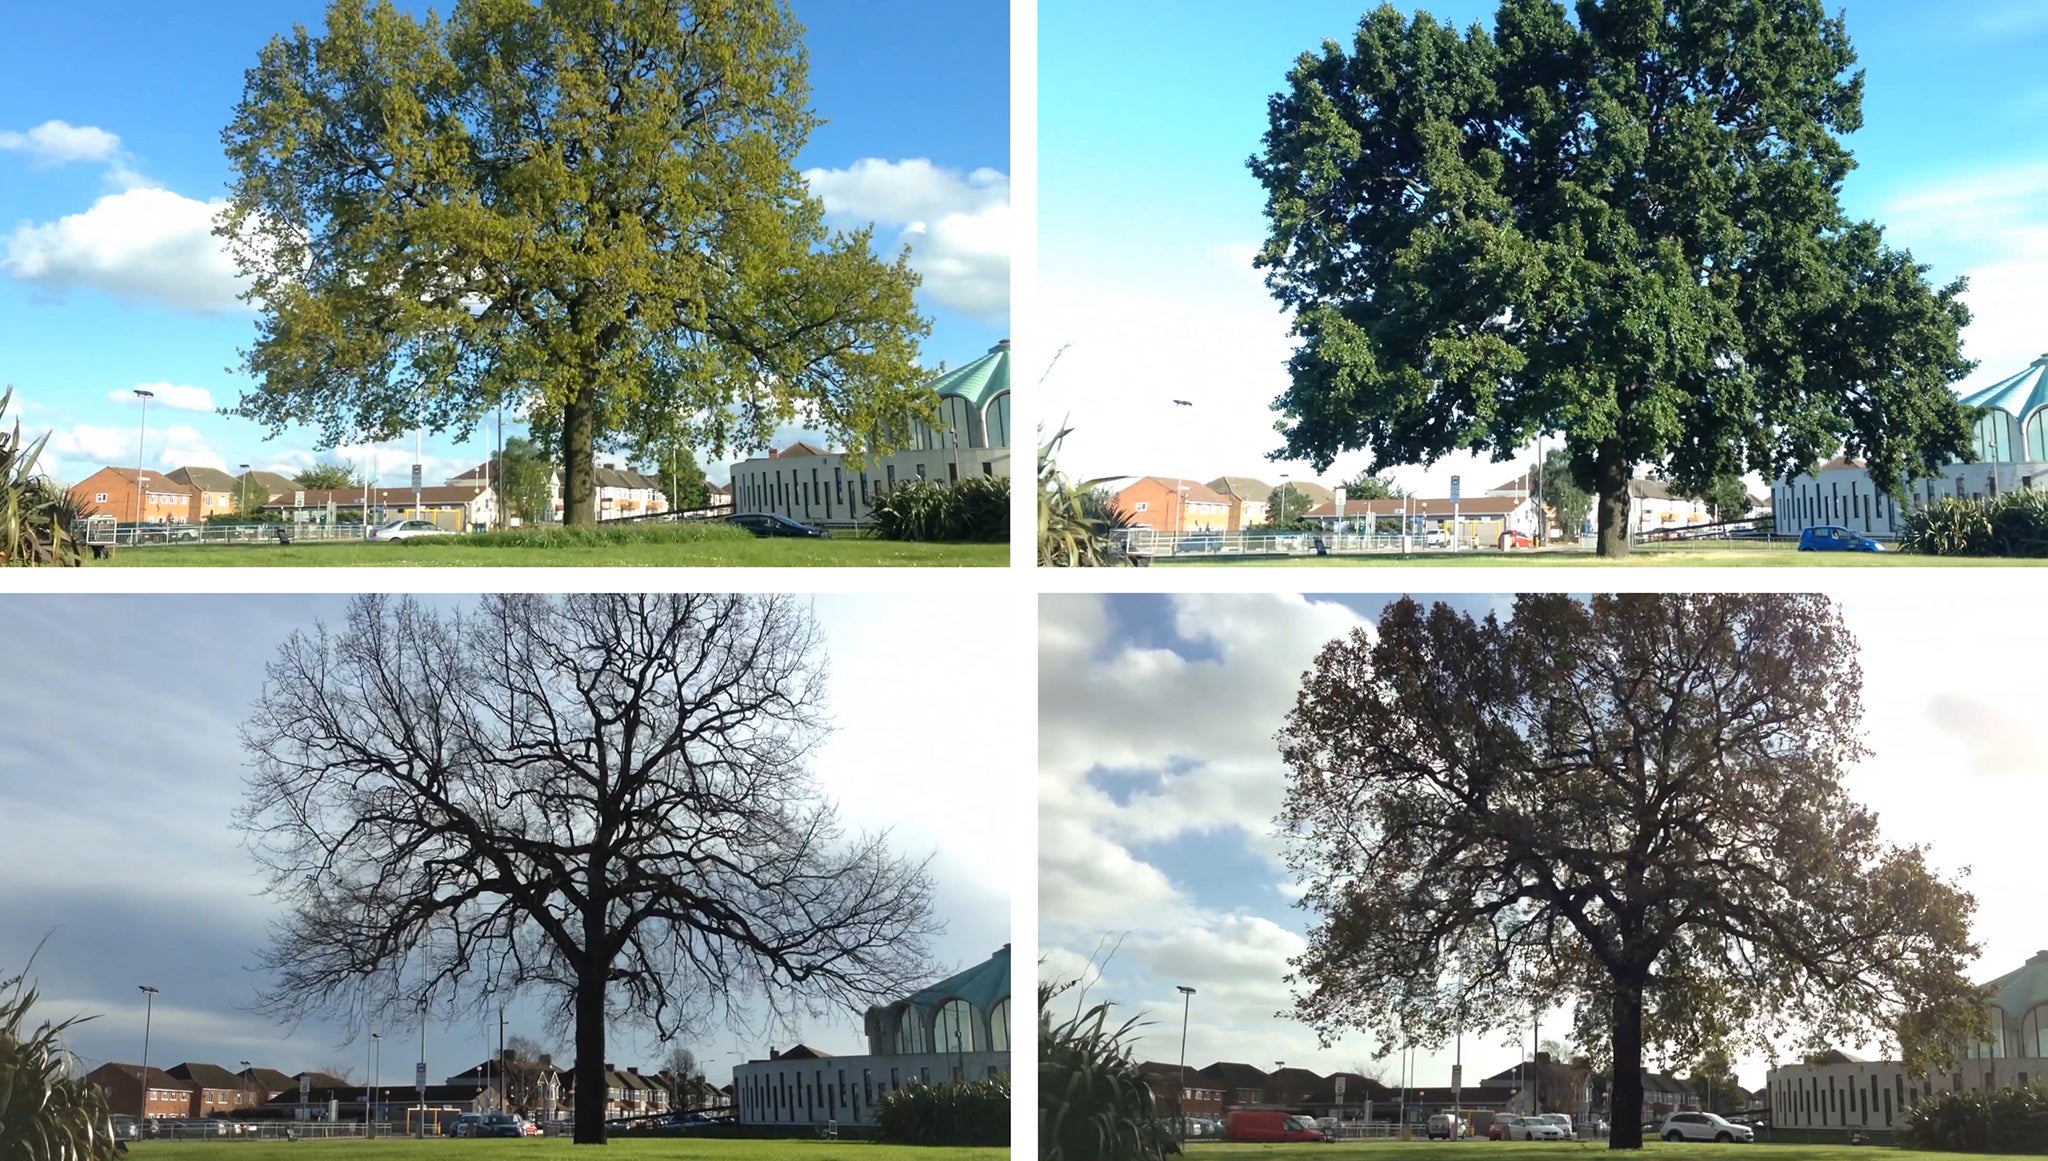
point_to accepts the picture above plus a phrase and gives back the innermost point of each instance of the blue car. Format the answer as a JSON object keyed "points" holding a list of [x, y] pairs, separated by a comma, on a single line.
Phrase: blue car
{"points": [[1833, 538]]}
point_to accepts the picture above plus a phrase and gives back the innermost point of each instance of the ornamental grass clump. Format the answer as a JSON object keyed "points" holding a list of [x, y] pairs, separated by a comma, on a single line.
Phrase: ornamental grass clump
{"points": [[958, 1114], [46, 1114], [2006, 1120], [1092, 1103]]}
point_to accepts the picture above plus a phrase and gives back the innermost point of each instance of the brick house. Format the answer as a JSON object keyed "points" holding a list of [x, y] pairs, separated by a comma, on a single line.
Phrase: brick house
{"points": [[267, 1083], [214, 492], [453, 506], [214, 1089], [113, 492], [122, 1084], [1196, 1100], [1156, 503], [1240, 1084]]}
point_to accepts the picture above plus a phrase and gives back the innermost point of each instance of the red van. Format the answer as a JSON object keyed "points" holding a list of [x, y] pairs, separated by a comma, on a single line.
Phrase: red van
{"points": [[1267, 1125]]}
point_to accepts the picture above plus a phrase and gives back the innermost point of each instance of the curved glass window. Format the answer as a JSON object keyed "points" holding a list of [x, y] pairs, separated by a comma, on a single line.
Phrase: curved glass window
{"points": [[1994, 437], [953, 1028], [2037, 435], [998, 420], [957, 415], [999, 1025], [2034, 1032], [1992, 1048], [910, 1032]]}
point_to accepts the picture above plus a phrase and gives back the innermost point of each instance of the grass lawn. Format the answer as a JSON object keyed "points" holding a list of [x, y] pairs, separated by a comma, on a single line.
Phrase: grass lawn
{"points": [[669, 546], [1561, 1151], [548, 1149], [1686, 554]]}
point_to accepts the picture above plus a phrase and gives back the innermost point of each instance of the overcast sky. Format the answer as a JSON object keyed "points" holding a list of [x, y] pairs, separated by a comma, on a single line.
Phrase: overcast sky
{"points": [[1159, 781], [120, 769]]}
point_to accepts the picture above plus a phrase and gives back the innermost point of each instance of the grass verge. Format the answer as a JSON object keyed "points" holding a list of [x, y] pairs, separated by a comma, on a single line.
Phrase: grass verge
{"points": [[647, 545], [548, 1149], [1682, 554], [1561, 1151]]}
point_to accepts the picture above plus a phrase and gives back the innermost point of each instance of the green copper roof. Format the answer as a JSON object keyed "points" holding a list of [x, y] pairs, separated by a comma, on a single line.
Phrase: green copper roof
{"points": [[981, 985], [979, 381], [2017, 991], [2018, 396]]}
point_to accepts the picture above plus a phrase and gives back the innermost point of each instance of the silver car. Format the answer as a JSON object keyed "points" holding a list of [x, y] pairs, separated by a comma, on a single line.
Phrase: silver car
{"points": [[1705, 1127]]}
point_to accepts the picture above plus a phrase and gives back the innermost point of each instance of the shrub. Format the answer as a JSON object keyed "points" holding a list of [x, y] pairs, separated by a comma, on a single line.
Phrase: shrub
{"points": [[45, 1113], [2014, 524], [975, 509], [36, 513], [975, 1112], [1092, 1103], [2006, 1120]]}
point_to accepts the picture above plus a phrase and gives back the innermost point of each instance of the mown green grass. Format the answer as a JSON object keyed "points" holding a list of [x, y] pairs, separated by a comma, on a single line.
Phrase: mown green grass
{"points": [[1559, 1151], [641, 546], [548, 1149], [1683, 554]]}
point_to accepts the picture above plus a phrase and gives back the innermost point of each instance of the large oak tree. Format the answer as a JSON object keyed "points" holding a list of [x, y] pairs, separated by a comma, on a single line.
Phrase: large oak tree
{"points": [[1633, 804], [585, 210], [601, 798], [1625, 228]]}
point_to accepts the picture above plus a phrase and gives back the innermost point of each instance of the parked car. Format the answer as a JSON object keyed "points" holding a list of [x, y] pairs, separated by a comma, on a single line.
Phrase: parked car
{"points": [[1514, 538], [1267, 1125], [1498, 1131], [1436, 538], [1447, 1127], [532, 1128], [1561, 1121], [408, 530], [766, 524], [1534, 1129], [465, 1124], [1833, 538], [498, 1125], [1705, 1127]]}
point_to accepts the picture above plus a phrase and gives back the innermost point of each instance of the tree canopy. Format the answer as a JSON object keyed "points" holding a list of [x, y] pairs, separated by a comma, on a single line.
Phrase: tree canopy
{"points": [[526, 478], [1562, 494], [1623, 227], [599, 798], [1633, 805], [1369, 486], [1287, 508], [328, 477], [586, 212]]}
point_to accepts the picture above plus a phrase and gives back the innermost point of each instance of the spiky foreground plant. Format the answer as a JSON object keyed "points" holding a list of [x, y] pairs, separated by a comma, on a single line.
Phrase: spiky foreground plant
{"points": [[36, 513], [1092, 1103], [1074, 531], [46, 1114]]}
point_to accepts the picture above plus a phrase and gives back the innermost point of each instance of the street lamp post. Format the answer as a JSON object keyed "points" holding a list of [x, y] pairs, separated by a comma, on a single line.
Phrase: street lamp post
{"points": [[246, 1102], [376, 1061], [1180, 499], [1180, 1099], [141, 441], [149, 995], [422, 1130]]}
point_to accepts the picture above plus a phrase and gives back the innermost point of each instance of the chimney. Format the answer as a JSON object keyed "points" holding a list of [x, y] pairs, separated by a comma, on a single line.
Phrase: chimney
{"points": [[546, 1061], [609, 1067]]}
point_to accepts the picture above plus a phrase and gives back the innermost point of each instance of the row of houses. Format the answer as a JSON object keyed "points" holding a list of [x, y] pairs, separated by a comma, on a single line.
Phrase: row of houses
{"points": [[1244, 504], [196, 1091], [1539, 1086], [193, 495]]}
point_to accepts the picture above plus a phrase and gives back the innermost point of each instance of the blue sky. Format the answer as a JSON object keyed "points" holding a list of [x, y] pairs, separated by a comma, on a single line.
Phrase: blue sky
{"points": [[1148, 218], [110, 153], [117, 844], [1159, 781]]}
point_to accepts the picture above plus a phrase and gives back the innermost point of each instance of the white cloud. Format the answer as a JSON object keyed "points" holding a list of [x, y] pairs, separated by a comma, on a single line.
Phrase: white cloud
{"points": [[57, 142], [148, 244], [83, 449], [1993, 225], [956, 225], [172, 395]]}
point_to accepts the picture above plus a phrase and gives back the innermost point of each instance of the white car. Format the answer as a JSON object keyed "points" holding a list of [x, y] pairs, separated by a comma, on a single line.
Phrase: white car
{"points": [[1562, 1122], [408, 530], [1535, 1129], [1705, 1127]]}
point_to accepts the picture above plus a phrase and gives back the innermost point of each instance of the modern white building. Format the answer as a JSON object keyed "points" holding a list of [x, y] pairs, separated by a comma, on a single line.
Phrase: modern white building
{"points": [[955, 1030], [1839, 1091], [818, 486], [2010, 442]]}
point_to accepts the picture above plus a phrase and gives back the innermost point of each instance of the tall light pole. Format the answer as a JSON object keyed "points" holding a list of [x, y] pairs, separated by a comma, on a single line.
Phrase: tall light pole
{"points": [[242, 499], [422, 1131], [1180, 1099], [1180, 500], [141, 441], [148, 1011], [245, 1084], [376, 1063]]}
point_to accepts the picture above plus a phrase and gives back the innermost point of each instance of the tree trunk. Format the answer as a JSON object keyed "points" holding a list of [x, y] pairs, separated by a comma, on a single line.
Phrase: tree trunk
{"points": [[1611, 466], [579, 458], [1625, 1095], [590, 1049]]}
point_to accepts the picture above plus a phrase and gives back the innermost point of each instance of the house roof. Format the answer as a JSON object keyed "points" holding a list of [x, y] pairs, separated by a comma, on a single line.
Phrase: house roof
{"points": [[1233, 1074], [979, 381], [1243, 487], [205, 479], [2018, 991], [799, 1052], [274, 482], [1521, 485], [981, 985], [210, 1075], [1198, 493], [320, 1080], [799, 448], [268, 1079], [1311, 489], [158, 481], [158, 1078]]}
